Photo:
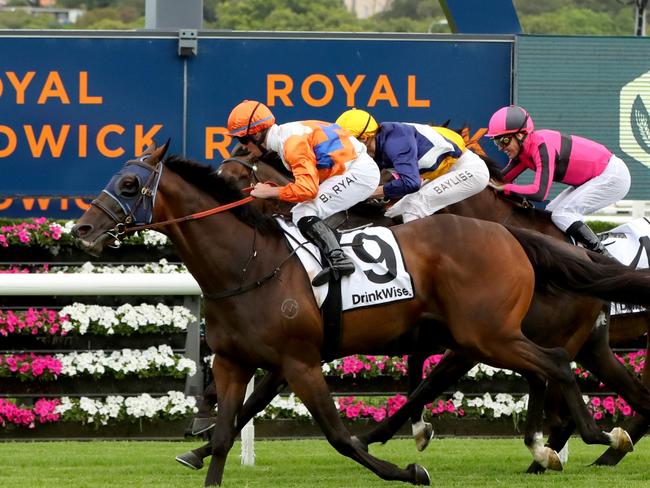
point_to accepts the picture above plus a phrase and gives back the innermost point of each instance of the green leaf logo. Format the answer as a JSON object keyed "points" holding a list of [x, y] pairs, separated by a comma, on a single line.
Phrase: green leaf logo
{"points": [[640, 122]]}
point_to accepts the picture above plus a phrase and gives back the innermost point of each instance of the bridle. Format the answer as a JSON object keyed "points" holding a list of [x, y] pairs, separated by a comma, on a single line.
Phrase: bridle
{"points": [[132, 213], [250, 166]]}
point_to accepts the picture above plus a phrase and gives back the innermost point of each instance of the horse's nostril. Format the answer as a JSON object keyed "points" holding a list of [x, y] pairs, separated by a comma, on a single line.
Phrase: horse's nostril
{"points": [[81, 230]]}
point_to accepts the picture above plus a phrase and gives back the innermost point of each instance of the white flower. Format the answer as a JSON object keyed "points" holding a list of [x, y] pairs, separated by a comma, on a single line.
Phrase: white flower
{"points": [[125, 361], [153, 238], [67, 227], [136, 407], [135, 317]]}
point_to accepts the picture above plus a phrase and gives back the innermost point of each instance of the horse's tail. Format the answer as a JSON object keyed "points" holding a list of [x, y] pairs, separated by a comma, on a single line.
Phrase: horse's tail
{"points": [[559, 267]]}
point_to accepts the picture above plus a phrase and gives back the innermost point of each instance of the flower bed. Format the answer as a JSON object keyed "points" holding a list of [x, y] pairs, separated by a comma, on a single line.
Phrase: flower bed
{"points": [[104, 411], [81, 319], [40, 240], [603, 406], [487, 406], [41, 232], [154, 361], [152, 370], [366, 367]]}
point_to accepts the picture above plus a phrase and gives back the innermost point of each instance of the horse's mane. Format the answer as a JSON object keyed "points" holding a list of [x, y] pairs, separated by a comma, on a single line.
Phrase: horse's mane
{"points": [[205, 178], [493, 168], [530, 213]]}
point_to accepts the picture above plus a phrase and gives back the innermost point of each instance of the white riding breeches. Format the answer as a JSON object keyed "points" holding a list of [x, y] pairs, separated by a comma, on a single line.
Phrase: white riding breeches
{"points": [[467, 177], [341, 192], [572, 204]]}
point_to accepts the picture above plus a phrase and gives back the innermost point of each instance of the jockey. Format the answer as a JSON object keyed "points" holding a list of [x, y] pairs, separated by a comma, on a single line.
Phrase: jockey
{"points": [[434, 168], [332, 172], [595, 176]]}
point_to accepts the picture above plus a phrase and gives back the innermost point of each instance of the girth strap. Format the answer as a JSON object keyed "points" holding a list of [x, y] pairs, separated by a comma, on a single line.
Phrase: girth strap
{"points": [[332, 322]]}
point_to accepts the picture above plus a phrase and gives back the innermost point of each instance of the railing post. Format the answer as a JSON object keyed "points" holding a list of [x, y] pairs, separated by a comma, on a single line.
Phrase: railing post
{"points": [[248, 434], [638, 209], [194, 385]]}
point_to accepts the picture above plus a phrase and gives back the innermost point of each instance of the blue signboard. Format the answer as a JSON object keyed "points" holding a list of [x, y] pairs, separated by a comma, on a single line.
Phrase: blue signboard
{"points": [[395, 80], [74, 108]]}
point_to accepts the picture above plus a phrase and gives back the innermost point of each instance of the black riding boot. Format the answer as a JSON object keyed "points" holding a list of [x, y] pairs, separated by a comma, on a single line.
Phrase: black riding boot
{"points": [[323, 236], [584, 235]]}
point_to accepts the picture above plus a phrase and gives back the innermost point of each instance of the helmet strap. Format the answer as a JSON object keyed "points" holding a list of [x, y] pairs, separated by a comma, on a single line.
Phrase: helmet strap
{"points": [[250, 119], [258, 140], [365, 126], [520, 141]]}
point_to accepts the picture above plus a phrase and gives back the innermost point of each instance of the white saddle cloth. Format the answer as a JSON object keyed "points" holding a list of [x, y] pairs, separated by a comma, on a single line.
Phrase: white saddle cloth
{"points": [[380, 275], [630, 244]]}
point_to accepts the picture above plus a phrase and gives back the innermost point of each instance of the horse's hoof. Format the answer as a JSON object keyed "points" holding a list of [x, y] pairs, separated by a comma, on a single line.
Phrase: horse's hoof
{"points": [[610, 457], [420, 475], [423, 437], [621, 440], [190, 460], [553, 460], [535, 468], [202, 424]]}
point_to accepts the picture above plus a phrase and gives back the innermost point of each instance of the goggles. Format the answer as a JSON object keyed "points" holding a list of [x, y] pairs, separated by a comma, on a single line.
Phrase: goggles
{"points": [[243, 140], [502, 141]]}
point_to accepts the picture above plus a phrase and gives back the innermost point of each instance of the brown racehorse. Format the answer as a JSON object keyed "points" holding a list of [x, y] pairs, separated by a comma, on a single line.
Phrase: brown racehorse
{"points": [[487, 205], [473, 282], [623, 328]]}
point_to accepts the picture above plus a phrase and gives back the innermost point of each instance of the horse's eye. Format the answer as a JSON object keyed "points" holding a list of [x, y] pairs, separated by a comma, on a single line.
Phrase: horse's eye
{"points": [[128, 186]]}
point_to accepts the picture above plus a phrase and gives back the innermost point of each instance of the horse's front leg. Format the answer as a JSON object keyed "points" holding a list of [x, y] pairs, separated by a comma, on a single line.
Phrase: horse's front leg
{"points": [[308, 383], [452, 367], [422, 431], [230, 380], [265, 390]]}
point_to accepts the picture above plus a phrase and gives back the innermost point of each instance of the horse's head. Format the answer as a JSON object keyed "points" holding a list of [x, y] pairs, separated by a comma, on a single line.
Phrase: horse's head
{"points": [[127, 200], [244, 169]]}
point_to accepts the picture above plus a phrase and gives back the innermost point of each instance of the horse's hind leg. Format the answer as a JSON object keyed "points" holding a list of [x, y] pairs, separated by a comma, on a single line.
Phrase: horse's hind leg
{"points": [[600, 360], [522, 355], [231, 381], [533, 437], [636, 426], [447, 372], [309, 385], [559, 423]]}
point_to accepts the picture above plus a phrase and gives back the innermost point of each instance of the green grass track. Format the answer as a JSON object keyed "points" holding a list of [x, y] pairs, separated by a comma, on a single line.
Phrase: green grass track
{"points": [[451, 462]]}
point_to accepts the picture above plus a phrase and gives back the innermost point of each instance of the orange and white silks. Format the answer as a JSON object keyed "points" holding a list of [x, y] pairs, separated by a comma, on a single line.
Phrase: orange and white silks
{"points": [[313, 151]]}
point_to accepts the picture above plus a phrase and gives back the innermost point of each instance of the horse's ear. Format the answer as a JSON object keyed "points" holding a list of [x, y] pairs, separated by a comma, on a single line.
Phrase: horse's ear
{"points": [[164, 148], [159, 153], [151, 148]]}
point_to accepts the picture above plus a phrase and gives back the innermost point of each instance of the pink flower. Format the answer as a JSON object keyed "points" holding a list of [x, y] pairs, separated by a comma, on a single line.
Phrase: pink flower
{"points": [[379, 414]]}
